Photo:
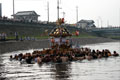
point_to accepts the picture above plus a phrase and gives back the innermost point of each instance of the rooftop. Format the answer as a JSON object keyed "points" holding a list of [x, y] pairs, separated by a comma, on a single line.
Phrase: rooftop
{"points": [[20, 13], [86, 21]]}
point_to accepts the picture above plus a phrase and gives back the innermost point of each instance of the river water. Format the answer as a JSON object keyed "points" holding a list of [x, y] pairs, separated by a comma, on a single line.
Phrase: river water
{"points": [[100, 69]]}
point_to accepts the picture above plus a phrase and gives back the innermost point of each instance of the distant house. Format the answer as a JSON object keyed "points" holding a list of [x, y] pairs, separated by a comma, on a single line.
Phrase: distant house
{"points": [[86, 24], [30, 16]]}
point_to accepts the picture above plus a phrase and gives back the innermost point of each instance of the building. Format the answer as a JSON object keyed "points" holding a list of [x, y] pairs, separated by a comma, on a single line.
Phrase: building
{"points": [[30, 16], [86, 24], [0, 10]]}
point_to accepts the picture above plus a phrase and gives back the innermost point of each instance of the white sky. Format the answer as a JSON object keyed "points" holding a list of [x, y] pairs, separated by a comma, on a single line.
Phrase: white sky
{"points": [[97, 10]]}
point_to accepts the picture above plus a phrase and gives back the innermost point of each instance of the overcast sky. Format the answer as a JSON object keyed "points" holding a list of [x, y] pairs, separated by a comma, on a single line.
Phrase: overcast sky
{"points": [[106, 11]]}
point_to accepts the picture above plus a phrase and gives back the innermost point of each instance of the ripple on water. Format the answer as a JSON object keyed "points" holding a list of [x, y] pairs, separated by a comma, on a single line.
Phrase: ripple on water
{"points": [[100, 69]]}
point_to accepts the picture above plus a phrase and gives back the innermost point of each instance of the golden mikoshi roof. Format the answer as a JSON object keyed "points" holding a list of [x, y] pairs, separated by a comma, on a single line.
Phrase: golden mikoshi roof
{"points": [[60, 32]]}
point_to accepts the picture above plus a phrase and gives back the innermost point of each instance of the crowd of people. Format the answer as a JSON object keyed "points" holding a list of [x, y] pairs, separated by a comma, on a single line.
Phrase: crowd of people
{"points": [[26, 38], [16, 36], [3, 36], [63, 55]]}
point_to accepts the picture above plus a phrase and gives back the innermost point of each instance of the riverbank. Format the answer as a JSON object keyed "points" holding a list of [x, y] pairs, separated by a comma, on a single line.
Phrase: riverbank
{"points": [[10, 46]]}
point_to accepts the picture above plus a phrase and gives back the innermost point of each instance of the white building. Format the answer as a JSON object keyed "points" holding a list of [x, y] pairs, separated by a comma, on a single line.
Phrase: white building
{"points": [[30, 16], [86, 24]]}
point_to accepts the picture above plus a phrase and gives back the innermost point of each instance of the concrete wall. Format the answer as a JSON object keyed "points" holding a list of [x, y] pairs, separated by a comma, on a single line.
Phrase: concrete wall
{"points": [[45, 43]]}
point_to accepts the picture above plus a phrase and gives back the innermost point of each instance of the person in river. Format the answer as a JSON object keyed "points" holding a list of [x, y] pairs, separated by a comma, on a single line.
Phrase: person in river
{"points": [[39, 59], [28, 58], [58, 56], [94, 54], [11, 57], [64, 58], [115, 53]]}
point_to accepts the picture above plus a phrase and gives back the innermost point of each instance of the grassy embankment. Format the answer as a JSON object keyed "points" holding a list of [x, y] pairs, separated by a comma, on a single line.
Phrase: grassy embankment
{"points": [[40, 31], [114, 37]]}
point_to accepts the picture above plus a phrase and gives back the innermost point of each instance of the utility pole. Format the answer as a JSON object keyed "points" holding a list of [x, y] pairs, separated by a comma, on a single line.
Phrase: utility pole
{"points": [[107, 23], [48, 10], [13, 7], [58, 9], [76, 14], [119, 17], [0, 9], [98, 23], [101, 21], [63, 14]]}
